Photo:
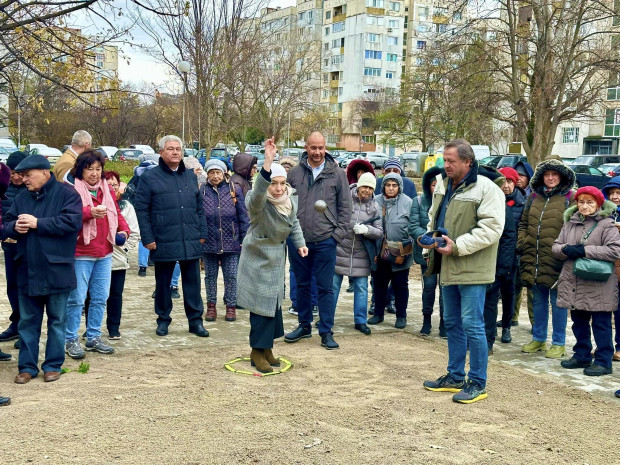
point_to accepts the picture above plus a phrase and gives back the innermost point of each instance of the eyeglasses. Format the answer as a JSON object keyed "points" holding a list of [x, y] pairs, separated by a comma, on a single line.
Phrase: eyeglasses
{"points": [[114, 185], [590, 203], [392, 170]]}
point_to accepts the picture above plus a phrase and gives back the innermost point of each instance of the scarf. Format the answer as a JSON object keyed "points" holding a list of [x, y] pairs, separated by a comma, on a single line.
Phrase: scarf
{"points": [[282, 204], [89, 227]]}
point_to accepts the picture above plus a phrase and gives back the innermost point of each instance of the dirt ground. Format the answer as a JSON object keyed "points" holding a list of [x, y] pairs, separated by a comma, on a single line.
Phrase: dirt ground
{"points": [[361, 404]]}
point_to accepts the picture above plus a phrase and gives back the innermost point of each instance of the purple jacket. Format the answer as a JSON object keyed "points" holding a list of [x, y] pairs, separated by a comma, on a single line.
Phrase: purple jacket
{"points": [[227, 218]]}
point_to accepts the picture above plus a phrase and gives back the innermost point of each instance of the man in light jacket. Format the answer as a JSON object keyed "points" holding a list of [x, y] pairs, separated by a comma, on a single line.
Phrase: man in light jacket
{"points": [[471, 208]]}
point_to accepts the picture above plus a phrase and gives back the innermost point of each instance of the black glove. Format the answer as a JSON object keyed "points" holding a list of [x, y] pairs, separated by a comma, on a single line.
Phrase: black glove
{"points": [[574, 251]]}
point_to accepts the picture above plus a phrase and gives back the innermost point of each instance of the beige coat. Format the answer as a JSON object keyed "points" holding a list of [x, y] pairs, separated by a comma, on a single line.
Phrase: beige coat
{"points": [[603, 244], [64, 164]]}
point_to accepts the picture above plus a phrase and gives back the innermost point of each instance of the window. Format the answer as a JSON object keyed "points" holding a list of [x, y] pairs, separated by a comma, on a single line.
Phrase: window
{"points": [[389, 75], [421, 44], [373, 54], [457, 16], [419, 61], [301, 15], [440, 28], [325, 93], [326, 78], [392, 40], [326, 31], [326, 62], [326, 46], [337, 59], [373, 37], [570, 135], [613, 93], [375, 3], [393, 24], [392, 57], [337, 27], [340, 90], [337, 43], [375, 20], [394, 6], [368, 139], [372, 72], [328, 14], [310, 16], [423, 13], [421, 28]]}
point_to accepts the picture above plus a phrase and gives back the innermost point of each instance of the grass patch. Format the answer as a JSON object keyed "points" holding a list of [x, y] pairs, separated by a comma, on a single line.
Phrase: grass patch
{"points": [[123, 168]]}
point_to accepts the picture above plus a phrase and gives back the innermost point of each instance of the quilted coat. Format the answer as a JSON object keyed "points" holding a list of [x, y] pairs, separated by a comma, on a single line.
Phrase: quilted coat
{"points": [[352, 257], [603, 244], [541, 223], [227, 219], [260, 275]]}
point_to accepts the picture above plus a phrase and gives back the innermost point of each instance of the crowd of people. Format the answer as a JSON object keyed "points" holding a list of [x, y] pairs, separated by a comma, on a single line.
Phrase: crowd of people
{"points": [[477, 234]]}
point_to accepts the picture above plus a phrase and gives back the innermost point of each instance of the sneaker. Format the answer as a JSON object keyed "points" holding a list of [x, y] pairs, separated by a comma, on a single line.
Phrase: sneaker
{"points": [[445, 383], [174, 292], [4, 357], [142, 271], [9, 334], [401, 322], [327, 341], [472, 392], [574, 363], [597, 370], [315, 310], [114, 335], [299, 333], [74, 349], [555, 352], [98, 345], [533, 347], [506, 337], [293, 311]]}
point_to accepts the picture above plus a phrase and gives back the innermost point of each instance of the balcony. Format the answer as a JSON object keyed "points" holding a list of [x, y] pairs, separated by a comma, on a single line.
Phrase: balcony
{"points": [[334, 83], [340, 17], [333, 99], [375, 11], [440, 19]]}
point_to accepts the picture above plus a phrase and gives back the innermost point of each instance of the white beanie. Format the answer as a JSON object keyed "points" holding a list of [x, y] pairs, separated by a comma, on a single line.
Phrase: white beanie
{"points": [[277, 170], [368, 180]]}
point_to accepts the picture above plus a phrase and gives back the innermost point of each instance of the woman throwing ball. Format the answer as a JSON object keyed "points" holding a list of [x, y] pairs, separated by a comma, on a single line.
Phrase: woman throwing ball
{"points": [[260, 278]]}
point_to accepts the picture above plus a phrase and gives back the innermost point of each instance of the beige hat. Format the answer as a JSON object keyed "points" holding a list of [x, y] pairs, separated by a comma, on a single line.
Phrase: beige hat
{"points": [[368, 180]]}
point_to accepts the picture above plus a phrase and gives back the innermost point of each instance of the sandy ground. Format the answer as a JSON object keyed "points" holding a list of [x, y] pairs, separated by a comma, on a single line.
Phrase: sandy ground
{"points": [[361, 404]]}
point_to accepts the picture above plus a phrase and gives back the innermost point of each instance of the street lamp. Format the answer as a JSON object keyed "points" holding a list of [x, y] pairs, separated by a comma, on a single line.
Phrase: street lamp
{"points": [[184, 68]]}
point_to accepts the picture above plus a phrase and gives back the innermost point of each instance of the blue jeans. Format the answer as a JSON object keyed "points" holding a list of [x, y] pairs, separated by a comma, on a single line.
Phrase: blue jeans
{"points": [[93, 277], [29, 328], [143, 256], [429, 285], [464, 320], [175, 276], [293, 282], [320, 262], [360, 296], [542, 296], [601, 330]]}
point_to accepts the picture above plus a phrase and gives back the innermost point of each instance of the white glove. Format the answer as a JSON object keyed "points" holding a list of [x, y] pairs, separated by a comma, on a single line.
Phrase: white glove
{"points": [[360, 229]]}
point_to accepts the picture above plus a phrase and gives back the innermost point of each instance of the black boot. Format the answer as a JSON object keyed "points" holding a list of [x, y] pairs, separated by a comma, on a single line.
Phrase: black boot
{"points": [[442, 330], [426, 326]]}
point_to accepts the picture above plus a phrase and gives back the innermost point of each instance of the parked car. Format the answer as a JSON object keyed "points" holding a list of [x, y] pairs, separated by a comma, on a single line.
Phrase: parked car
{"points": [[50, 153], [491, 161], [589, 176], [219, 153], [30, 147], [510, 160], [232, 149], [292, 152], [261, 160], [7, 143], [127, 154], [610, 169], [596, 160], [252, 148], [190, 152], [107, 150], [350, 156], [144, 148], [4, 154]]}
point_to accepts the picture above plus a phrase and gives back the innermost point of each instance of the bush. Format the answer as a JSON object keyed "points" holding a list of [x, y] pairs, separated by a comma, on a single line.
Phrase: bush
{"points": [[123, 168]]}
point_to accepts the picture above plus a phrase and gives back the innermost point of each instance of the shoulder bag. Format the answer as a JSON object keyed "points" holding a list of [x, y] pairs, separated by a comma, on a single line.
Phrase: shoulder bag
{"points": [[590, 269]]}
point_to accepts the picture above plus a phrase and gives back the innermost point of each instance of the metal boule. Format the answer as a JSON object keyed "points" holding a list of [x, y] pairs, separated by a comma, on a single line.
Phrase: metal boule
{"points": [[320, 206]]}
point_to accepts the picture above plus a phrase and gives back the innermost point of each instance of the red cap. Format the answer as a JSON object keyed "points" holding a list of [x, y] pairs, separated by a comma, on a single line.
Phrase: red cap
{"points": [[510, 173], [593, 191]]}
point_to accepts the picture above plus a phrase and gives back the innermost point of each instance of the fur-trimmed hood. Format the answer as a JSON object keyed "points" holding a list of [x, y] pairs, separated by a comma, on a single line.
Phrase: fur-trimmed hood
{"points": [[356, 165], [567, 178], [606, 210], [428, 177], [288, 160]]}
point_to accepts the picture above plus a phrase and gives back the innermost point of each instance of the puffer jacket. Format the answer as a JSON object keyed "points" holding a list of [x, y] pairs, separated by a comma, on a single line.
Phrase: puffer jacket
{"points": [[396, 220], [357, 165], [227, 218], [242, 166], [419, 211], [541, 224], [120, 253], [352, 257], [603, 244]]}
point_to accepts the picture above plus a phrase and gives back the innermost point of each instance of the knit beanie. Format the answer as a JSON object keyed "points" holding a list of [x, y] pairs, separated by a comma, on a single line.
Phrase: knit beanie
{"points": [[510, 173], [277, 170], [392, 162], [14, 159], [593, 191], [368, 180], [215, 164]]}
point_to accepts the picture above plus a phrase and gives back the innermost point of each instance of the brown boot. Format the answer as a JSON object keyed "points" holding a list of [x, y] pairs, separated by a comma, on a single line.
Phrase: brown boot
{"points": [[273, 361], [231, 314], [211, 312], [259, 361]]}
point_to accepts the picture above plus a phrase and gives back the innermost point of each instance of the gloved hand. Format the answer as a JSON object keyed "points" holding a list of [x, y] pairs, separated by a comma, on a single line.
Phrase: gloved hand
{"points": [[360, 229], [574, 251]]}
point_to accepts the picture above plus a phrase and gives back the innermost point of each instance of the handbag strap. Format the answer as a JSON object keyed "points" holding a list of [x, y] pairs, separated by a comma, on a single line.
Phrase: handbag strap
{"points": [[585, 238]]}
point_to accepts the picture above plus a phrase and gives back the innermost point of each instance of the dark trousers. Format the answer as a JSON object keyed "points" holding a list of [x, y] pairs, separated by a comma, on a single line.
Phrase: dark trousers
{"points": [[601, 329], [264, 329], [32, 309], [320, 262], [383, 275], [115, 300], [10, 250], [506, 286], [429, 285], [192, 300], [617, 325]]}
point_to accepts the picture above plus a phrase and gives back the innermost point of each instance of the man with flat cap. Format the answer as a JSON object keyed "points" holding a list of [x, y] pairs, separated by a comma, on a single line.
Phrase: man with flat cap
{"points": [[45, 220]]}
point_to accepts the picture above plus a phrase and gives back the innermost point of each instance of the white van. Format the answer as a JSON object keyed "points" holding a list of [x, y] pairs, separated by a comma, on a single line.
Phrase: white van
{"points": [[481, 151], [144, 148]]}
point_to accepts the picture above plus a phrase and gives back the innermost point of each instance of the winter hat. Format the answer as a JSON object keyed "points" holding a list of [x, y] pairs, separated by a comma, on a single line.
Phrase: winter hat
{"points": [[520, 169], [215, 164], [393, 162], [14, 159], [277, 170], [368, 180], [510, 173], [290, 161], [593, 191]]}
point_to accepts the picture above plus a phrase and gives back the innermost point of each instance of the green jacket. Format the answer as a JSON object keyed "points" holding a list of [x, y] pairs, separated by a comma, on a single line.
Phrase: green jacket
{"points": [[475, 220], [541, 223]]}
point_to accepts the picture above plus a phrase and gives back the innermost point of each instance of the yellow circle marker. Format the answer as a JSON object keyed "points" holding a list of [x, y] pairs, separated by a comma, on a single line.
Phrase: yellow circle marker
{"points": [[230, 367]]}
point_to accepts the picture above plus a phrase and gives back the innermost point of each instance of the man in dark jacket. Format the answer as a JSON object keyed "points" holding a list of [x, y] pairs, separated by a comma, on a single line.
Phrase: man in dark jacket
{"points": [[173, 227], [244, 166], [9, 247], [318, 178], [45, 221]]}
